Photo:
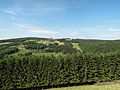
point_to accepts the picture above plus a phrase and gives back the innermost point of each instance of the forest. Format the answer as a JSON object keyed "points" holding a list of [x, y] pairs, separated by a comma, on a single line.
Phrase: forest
{"points": [[46, 62]]}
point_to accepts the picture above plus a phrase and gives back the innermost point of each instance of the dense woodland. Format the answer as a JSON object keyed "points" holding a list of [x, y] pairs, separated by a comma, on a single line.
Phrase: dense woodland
{"points": [[98, 61], [67, 48]]}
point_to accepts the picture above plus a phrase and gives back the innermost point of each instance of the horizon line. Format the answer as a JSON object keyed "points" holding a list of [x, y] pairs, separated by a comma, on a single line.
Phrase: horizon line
{"points": [[57, 38]]}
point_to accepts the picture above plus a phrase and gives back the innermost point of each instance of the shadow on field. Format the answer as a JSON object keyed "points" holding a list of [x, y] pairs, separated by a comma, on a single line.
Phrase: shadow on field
{"points": [[55, 86]]}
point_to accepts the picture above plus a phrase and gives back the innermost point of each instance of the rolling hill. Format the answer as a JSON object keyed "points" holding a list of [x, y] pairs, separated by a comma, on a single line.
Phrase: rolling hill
{"points": [[45, 62]]}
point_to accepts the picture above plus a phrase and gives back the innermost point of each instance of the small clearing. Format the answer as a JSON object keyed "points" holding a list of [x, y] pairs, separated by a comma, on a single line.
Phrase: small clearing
{"points": [[47, 42], [75, 45], [5, 43]]}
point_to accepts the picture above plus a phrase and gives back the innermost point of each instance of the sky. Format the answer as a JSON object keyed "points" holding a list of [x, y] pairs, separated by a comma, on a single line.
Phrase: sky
{"points": [[84, 19]]}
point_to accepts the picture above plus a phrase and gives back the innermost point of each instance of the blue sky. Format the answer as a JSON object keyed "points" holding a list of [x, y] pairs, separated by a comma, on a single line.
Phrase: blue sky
{"points": [[85, 19]]}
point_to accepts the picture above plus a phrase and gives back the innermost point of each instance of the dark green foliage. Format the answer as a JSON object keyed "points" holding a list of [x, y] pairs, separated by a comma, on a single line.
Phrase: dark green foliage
{"points": [[32, 71], [67, 48], [54, 45], [99, 46], [29, 42], [7, 51], [3, 47], [36, 46], [99, 61], [95, 46], [1, 56], [23, 39], [28, 54]]}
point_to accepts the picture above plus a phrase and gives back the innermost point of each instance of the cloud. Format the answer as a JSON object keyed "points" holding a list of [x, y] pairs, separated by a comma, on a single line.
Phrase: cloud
{"points": [[114, 30], [35, 29], [38, 7], [110, 36], [24, 26], [43, 32], [9, 12], [19, 25], [1, 38]]}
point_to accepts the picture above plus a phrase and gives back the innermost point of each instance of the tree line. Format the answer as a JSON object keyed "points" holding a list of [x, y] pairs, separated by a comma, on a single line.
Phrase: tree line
{"points": [[38, 71], [5, 50], [67, 48]]}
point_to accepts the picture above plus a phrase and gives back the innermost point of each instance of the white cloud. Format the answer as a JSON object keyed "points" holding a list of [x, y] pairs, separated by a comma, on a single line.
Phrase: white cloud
{"points": [[24, 26], [2, 38], [43, 32], [34, 29], [19, 25], [10, 12], [111, 36], [114, 30]]}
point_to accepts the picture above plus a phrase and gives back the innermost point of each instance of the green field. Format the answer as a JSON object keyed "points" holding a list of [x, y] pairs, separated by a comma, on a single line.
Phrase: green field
{"points": [[91, 87], [22, 50]]}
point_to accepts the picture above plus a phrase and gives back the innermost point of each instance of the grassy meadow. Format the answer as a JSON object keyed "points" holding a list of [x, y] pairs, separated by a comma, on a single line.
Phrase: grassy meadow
{"points": [[91, 87]]}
